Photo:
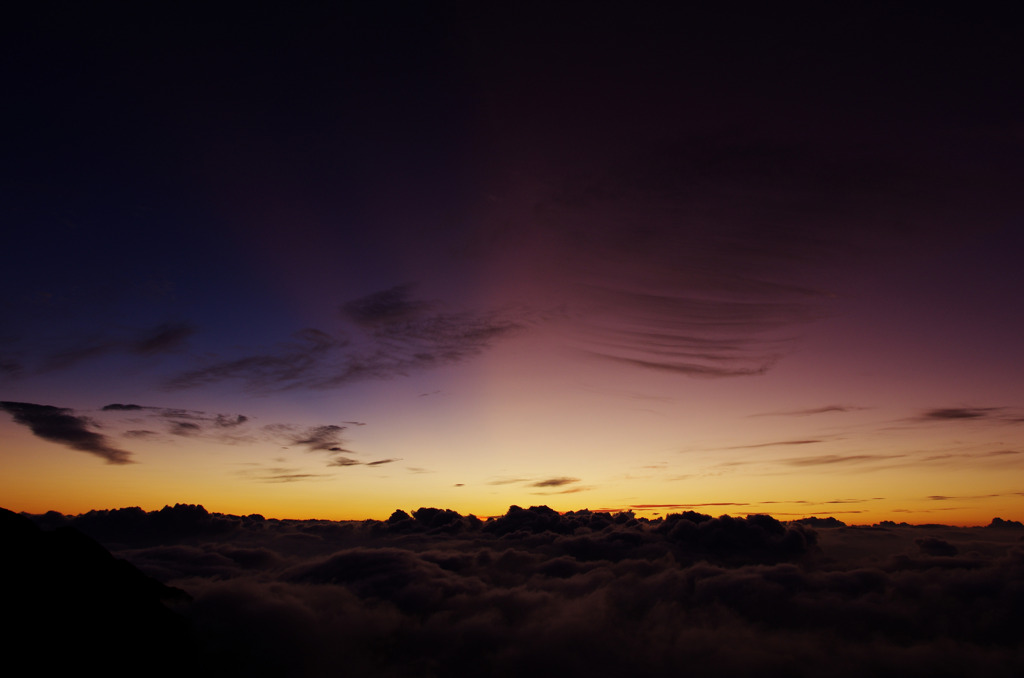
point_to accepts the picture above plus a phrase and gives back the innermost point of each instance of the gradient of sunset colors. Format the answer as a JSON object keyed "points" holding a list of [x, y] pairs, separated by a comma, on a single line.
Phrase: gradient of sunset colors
{"points": [[328, 263]]}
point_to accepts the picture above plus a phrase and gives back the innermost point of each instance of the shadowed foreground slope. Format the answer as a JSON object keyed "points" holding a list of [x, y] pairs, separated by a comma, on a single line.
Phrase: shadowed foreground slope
{"points": [[70, 606]]}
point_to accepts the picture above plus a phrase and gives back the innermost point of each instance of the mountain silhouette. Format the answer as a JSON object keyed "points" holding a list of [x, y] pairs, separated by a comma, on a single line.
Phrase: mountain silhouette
{"points": [[72, 606]]}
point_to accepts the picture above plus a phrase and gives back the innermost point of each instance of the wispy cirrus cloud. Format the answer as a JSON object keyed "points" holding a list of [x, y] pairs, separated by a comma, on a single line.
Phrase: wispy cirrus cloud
{"points": [[396, 336], [693, 335], [184, 422], [184, 428], [163, 338], [834, 459], [647, 507], [284, 366], [973, 456], [811, 411], [545, 486], [778, 443], [942, 497], [386, 307], [322, 438], [11, 367], [343, 461], [348, 461], [699, 256], [139, 433], [281, 474]]}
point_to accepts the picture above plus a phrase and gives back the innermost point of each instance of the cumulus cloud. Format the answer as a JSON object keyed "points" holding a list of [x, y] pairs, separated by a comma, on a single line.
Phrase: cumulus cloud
{"points": [[60, 425]]}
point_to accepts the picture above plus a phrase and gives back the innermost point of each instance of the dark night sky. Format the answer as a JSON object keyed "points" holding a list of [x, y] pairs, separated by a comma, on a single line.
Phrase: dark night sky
{"points": [[462, 255]]}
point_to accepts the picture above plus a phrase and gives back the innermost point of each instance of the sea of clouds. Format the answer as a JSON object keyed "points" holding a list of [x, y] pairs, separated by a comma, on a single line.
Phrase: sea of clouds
{"points": [[538, 593]]}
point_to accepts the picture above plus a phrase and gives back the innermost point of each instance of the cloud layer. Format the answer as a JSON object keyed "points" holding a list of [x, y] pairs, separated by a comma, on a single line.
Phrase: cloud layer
{"points": [[534, 592]]}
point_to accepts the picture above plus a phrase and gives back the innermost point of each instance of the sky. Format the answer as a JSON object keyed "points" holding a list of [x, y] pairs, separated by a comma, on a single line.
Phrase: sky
{"points": [[327, 262]]}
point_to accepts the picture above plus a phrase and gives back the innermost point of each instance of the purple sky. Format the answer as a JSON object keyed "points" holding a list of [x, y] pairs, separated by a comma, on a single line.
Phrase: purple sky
{"points": [[342, 260]]}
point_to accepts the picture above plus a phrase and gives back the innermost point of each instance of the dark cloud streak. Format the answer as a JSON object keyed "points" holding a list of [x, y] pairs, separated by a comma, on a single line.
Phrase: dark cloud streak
{"points": [[961, 413], [828, 409], [59, 425], [555, 482], [381, 462], [832, 459], [781, 443]]}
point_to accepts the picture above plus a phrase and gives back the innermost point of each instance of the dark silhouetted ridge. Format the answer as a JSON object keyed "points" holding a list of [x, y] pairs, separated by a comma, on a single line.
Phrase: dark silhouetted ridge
{"points": [[72, 607]]}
